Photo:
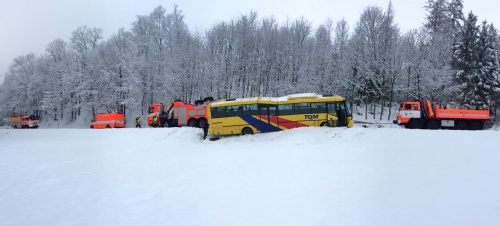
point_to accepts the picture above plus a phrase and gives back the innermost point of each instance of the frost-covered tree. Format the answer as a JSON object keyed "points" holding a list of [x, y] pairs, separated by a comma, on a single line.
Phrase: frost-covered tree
{"points": [[375, 40], [84, 42], [340, 80], [389, 44], [21, 81], [219, 47], [456, 15], [487, 86], [368, 56], [169, 55], [294, 41], [159, 58], [118, 86], [466, 56], [443, 27], [267, 43], [323, 75], [437, 19], [56, 68]]}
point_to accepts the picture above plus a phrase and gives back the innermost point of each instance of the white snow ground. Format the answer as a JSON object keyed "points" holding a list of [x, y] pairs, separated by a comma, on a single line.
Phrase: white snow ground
{"points": [[305, 176]]}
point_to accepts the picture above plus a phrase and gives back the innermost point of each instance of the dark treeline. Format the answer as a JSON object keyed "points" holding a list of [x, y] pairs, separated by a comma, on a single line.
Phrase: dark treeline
{"points": [[452, 57]]}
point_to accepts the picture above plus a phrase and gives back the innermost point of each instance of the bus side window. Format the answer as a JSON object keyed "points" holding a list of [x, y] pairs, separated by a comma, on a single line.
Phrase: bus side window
{"points": [[318, 107], [218, 112], [250, 109], [285, 109], [233, 111], [272, 110], [302, 108]]}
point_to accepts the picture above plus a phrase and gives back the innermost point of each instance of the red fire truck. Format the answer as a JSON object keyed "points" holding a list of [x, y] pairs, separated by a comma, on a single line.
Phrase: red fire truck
{"points": [[178, 113], [32, 121]]}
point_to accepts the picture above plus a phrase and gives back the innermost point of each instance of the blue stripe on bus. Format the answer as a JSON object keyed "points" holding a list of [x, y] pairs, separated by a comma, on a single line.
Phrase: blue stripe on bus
{"points": [[259, 124]]}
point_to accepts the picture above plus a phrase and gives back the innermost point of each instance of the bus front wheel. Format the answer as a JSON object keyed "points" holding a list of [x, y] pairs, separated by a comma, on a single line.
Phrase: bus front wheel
{"points": [[246, 131], [325, 124]]}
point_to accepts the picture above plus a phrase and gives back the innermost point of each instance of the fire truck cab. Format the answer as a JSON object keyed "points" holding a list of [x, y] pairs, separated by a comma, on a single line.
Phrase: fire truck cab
{"points": [[408, 111]]}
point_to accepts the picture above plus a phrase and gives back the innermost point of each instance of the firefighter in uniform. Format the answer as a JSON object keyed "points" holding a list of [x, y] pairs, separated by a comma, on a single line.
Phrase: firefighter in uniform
{"points": [[138, 122], [155, 121]]}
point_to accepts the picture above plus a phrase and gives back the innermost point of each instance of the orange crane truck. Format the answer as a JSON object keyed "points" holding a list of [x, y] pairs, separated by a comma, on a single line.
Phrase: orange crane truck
{"points": [[178, 113], [415, 116]]}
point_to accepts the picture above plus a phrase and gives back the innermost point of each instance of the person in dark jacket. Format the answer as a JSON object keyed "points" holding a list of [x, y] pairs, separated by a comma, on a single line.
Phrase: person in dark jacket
{"points": [[138, 122], [205, 130]]}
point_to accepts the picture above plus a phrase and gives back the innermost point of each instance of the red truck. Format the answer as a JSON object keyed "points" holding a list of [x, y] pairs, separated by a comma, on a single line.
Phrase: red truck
{"points": [[416, 115], [111, 120], [31, 121], [178, 113]]}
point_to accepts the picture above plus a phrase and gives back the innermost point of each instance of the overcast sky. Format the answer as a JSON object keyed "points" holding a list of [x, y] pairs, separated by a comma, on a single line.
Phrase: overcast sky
{"points": [[28, 26]]}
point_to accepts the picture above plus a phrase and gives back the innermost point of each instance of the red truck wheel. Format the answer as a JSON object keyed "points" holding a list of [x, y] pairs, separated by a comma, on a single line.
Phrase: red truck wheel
{"points": [[416, 124], [433, 125], [461, 125], [476, 126]]}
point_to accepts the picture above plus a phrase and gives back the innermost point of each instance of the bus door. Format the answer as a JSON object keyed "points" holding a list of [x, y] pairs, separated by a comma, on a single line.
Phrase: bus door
{"points": [[338, 110], [342, 114], [266, 112]]}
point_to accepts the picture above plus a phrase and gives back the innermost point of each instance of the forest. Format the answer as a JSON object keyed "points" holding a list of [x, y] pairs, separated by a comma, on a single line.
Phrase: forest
{"points": [[453, 56]]}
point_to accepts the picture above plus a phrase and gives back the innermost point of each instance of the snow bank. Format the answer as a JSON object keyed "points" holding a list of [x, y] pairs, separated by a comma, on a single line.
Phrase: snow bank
{"points": [[305, 176]]}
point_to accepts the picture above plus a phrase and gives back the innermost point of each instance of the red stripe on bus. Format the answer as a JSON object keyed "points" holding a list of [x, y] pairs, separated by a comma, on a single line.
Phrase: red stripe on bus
{"points": [[282, 122]]}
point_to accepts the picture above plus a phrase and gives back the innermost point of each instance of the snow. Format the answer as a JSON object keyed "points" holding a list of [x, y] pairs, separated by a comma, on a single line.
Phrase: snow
{"points": [[305, 176], [235, 100], [275, 99]]}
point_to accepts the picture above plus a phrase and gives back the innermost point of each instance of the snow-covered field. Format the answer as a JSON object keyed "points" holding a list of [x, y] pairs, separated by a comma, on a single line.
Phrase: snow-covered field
{"points": [[306, 176]]}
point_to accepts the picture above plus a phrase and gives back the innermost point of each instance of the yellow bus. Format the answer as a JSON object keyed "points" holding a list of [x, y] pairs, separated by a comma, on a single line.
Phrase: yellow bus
{"points": [[268, 114]]}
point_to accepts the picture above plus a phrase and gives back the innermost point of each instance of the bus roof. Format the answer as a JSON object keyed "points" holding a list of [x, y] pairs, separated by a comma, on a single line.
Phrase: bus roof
{"points": [[293, 98]]}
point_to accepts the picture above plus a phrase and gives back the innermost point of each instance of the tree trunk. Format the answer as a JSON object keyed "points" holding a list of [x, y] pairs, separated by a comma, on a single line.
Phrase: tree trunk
{"points": [[391, 98]]}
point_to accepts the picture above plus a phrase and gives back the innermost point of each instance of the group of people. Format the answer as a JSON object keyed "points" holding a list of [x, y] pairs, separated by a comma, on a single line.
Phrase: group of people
{"points": [[154, 123]]}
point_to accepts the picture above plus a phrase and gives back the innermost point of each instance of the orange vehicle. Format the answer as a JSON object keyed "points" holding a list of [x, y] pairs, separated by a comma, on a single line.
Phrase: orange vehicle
{"points": [[416, 115], [30, 122], [178, 113], [111, 120]]}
